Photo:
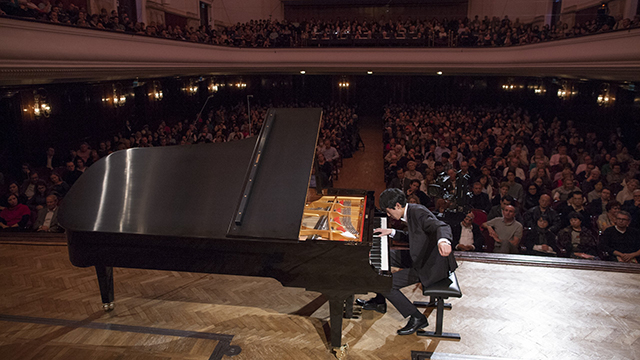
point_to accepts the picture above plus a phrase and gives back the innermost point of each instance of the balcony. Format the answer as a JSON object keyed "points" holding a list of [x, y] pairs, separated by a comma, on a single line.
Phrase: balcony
{"points": [[36, 53]]}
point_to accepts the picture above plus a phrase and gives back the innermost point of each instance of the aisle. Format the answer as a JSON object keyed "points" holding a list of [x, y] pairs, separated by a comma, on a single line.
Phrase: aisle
{"points": [[365, 170]]}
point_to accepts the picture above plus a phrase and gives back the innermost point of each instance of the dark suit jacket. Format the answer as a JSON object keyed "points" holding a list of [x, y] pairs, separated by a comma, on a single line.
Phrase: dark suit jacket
{"points": [[478, 239], [424, 231], [54, 226]]}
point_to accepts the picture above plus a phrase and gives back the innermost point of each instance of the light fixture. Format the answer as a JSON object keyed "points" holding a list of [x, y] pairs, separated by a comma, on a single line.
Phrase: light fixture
{"points": [[439, 73], [41, 107], [191, 88], [566, 90], [604, 97], [156, 93], [370, 72], [302, 72]]}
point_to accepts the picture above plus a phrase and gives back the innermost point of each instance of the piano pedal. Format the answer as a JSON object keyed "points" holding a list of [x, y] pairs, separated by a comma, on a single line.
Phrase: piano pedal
{"points": [[341, 352], [108, 306]]}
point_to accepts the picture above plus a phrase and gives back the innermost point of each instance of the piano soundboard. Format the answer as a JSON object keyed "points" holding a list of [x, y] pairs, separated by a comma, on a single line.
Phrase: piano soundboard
{"points": [[334, 217]]}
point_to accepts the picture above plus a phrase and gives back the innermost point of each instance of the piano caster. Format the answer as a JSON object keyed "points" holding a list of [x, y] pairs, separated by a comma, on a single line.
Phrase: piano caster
{"points": [[341, 352], [108, 306]]}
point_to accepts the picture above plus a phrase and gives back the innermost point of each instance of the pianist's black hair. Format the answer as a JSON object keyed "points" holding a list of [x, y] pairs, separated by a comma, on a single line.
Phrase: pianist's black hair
{"points": [[390, 197]]}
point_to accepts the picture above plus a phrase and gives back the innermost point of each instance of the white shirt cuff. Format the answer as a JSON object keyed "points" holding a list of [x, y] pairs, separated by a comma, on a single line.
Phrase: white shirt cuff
{"points": [[445, 241], [393, 232]]}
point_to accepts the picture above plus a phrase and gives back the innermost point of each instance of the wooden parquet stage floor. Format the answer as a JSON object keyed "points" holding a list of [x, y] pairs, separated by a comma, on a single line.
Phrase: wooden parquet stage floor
{"points": [[50, 309]]}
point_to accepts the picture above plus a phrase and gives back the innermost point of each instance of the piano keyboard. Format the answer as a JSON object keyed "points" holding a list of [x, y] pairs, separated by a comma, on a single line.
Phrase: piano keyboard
{"points": [[379, 254]]}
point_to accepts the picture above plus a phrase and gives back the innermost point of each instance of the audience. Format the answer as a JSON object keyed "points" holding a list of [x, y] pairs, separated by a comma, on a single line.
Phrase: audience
{"points": [[567, 169], [487, 32]]}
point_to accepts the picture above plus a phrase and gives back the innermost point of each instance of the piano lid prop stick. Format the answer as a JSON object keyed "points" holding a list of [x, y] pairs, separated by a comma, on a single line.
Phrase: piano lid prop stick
{"points": [[253, 168]]}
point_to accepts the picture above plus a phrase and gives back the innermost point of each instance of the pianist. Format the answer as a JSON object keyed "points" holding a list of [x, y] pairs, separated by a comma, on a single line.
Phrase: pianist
{"points": [[428, 260]]}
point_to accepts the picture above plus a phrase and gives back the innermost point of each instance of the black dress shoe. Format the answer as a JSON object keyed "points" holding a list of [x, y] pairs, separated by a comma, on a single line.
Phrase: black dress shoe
{"points": [[415, 323], [372, 305]]}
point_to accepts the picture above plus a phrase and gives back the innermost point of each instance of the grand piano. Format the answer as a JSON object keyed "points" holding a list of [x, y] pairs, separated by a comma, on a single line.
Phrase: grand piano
{"points": [[239, 208]]}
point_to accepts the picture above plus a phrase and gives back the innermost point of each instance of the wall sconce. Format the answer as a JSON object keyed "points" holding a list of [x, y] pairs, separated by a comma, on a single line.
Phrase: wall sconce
{"points": [[538, 88], [213, 87], [192, 88], [41, 106], [241, 85], [604, 97], [156, 93], [510, 86], [566, 91], [344, 83], [117, 98]]}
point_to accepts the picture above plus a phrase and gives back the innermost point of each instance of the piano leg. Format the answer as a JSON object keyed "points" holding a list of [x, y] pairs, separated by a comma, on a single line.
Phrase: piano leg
{"points": [[336, 312], [348, 307], [105, 280]]}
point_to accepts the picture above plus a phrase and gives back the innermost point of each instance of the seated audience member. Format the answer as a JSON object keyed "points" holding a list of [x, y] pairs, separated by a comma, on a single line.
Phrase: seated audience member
{"points": [[84, 152], [608, 218], [39, 200], [541, 241], [414, 189], [514, 164], [58, 187], [506, 231], [48, 217], [412, 199], [477, 199], [14, 189], [621, 242], [598, 206], [28, 187], [589, 184], [627, 192], [633, 207], [615, 176], [467, 235], [531, 197], [574, 203], [400, 182], [72, 174], [576, 240], [515, 189], [543, 208], [502, 192], [496, 211], [487, 188], [50, 160], [412, 173], [562, 193], [15, 216], [80, 164]]}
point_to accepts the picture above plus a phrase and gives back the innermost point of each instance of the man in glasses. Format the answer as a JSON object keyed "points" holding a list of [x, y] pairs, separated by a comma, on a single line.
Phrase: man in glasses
{"points": [[621, 242]]}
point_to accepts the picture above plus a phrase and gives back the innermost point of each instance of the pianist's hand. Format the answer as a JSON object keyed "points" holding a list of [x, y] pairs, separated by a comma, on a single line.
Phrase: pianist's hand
{"points": [[382, 232], [444, 248]]}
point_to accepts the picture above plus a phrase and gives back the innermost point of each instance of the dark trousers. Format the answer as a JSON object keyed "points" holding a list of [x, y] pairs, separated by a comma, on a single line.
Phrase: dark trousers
{"points": [[405, 277]]}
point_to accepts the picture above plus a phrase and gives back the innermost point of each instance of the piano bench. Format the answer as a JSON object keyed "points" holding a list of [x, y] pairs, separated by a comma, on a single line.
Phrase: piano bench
{"points": [[439, 291]]}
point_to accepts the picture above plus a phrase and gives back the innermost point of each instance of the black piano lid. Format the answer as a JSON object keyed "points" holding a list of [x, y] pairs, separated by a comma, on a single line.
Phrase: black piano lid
{"points": [[194, 191]]}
